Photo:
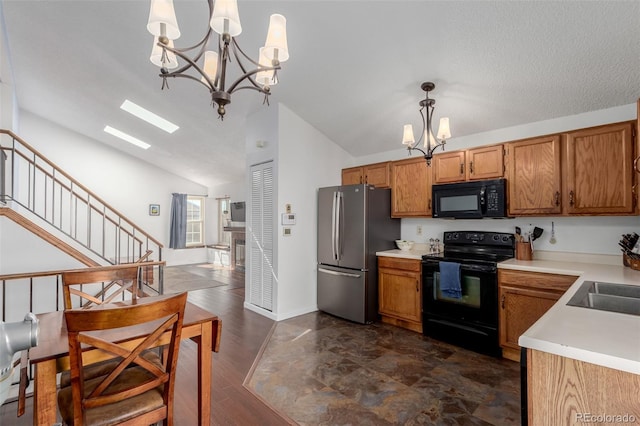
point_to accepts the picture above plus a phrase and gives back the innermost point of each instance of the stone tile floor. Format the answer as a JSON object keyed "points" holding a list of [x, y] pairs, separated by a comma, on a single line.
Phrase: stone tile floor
{"points": [[321, 370]]}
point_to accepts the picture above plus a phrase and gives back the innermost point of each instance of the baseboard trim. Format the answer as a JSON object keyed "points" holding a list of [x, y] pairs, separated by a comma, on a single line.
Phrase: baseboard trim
{"points": [[261, 311]]}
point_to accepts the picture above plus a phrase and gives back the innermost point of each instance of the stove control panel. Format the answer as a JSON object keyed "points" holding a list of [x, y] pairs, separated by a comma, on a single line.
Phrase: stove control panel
{"points": [[479, 238]]}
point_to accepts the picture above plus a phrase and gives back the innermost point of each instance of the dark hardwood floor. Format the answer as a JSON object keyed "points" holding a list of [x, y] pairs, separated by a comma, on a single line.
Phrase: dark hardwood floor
{"points": [[243, 333]]}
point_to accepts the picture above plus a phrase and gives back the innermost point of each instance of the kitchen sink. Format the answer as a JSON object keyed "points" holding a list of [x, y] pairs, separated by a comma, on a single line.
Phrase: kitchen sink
{"points": [[621, 298]]}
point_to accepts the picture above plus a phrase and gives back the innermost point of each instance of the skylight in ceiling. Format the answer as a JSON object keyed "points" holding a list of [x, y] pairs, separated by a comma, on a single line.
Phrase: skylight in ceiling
{"points": [[125, 137], [148, 116]]}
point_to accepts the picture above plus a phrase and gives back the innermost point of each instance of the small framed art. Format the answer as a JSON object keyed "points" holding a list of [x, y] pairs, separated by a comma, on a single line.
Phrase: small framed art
{"points": [[154, 209]]}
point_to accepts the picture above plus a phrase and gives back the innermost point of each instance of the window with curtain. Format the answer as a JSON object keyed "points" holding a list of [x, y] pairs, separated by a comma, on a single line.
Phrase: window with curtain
{"points": [[195, 221]]}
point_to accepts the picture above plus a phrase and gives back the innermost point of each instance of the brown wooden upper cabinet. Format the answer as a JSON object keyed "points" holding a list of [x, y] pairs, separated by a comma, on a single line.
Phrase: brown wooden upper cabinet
{"points": [[598, 170], [584, 172], [377, 174], [485, 162], [410, 188], [533, 176]]}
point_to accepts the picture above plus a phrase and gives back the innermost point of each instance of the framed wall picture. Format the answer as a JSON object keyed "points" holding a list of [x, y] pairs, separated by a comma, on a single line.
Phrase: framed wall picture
{"points": [[154, 209]]}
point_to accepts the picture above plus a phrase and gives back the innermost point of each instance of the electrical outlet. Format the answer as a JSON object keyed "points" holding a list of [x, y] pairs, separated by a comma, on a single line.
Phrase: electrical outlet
{"points": [[419, 230], [287, 208]]}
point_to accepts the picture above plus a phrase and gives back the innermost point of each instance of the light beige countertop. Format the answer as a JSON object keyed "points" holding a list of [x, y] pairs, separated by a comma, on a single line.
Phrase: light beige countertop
{"points": [[416, 252], [599, 337]]}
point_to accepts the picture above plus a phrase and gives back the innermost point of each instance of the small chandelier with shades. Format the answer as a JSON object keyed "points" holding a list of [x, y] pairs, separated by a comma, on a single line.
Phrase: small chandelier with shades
{"points": [[431, 143], [224, 19]]}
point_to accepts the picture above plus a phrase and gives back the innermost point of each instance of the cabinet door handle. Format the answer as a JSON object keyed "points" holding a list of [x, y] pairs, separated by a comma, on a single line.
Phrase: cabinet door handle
{"points": [[366, 179], [360, 178], [557, 198], [635, 164], [502, 303], [417, 286], [461, 168], [471, 167], [571, 200]]}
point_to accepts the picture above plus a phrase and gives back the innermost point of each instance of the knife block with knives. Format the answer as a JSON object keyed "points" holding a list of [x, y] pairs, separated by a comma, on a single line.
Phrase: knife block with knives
{"points": [[630, 244]]}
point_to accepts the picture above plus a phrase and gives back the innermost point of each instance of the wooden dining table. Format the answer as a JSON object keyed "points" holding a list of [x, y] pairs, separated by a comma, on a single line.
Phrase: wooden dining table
{"points": [[51, 356]]}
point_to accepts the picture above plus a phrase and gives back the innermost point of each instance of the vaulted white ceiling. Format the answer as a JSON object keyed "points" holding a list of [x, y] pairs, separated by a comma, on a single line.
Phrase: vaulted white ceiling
{"points": [[354, 73]]}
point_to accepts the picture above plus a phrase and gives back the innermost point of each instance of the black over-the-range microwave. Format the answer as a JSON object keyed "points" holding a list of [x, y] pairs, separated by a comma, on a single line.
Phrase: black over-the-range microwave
{"points": [[470, 200]]}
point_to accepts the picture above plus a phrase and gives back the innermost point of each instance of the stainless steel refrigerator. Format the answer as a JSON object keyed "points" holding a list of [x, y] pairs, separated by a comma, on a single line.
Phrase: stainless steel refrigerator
{"points": [[354, 222]]}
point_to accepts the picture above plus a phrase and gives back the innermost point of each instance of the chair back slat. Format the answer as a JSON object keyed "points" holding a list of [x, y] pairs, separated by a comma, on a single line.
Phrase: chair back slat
{"points": [[92, 286]]}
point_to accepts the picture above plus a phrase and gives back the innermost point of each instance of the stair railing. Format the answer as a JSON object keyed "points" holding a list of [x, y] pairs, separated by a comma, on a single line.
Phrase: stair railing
{"points": [[36, 184]]}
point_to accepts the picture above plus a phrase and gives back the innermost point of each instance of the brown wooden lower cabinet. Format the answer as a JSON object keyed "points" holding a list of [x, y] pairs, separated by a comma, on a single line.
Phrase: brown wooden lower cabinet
{"points": [[565, 391], [400, 292], [524, 297]]}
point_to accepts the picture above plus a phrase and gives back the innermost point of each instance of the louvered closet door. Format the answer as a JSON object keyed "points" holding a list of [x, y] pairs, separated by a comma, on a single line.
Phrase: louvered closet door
{"points": [[261, 237]]}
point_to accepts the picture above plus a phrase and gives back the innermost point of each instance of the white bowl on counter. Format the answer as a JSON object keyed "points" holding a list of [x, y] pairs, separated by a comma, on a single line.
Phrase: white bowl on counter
{"points": [[404, 244]]}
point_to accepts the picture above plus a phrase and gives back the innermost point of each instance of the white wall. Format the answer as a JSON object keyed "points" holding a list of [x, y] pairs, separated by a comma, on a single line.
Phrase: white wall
{"points": [[8, 108], [596, 235], [312, 161], [124, 182], [23, 251], [599, 235], [304, 160]]}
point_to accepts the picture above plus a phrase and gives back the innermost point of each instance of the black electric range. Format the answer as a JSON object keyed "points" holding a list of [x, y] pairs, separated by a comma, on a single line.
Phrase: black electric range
{"points": [[470, 319]]}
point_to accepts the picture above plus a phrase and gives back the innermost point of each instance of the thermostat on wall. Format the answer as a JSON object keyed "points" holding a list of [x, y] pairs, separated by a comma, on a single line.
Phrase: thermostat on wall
{"points": [[288, 218]]}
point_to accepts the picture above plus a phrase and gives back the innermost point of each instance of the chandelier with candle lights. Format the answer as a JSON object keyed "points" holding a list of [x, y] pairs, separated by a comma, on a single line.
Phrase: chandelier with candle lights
{"points": [[431, 143], [209, 67]]}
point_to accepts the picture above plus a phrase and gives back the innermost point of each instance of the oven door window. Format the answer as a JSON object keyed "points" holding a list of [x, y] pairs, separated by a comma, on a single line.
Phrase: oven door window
{"points": [[470, 286]]}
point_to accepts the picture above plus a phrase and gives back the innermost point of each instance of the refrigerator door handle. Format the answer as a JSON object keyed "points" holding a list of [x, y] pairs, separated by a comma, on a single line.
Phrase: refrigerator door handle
{"points": [[342, 274], [333, 226], [339, 226]]}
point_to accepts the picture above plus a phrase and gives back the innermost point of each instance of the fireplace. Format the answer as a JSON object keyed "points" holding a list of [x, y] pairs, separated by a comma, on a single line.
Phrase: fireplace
{"points": [[237, 246]]}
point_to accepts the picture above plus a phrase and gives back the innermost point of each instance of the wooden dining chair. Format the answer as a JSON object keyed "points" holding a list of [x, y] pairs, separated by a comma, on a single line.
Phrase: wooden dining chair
{"points": [[95, 286], [136, 391], [90, 287]]}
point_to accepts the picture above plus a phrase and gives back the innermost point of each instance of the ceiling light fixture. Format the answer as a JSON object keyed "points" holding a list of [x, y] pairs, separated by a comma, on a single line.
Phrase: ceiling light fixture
{"points": [[431, 143], [224, 20], [148, 116], [126, 137]]}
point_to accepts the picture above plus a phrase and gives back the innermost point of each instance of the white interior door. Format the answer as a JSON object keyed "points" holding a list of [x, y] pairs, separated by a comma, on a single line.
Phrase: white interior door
{"points": [[261, 236]]}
